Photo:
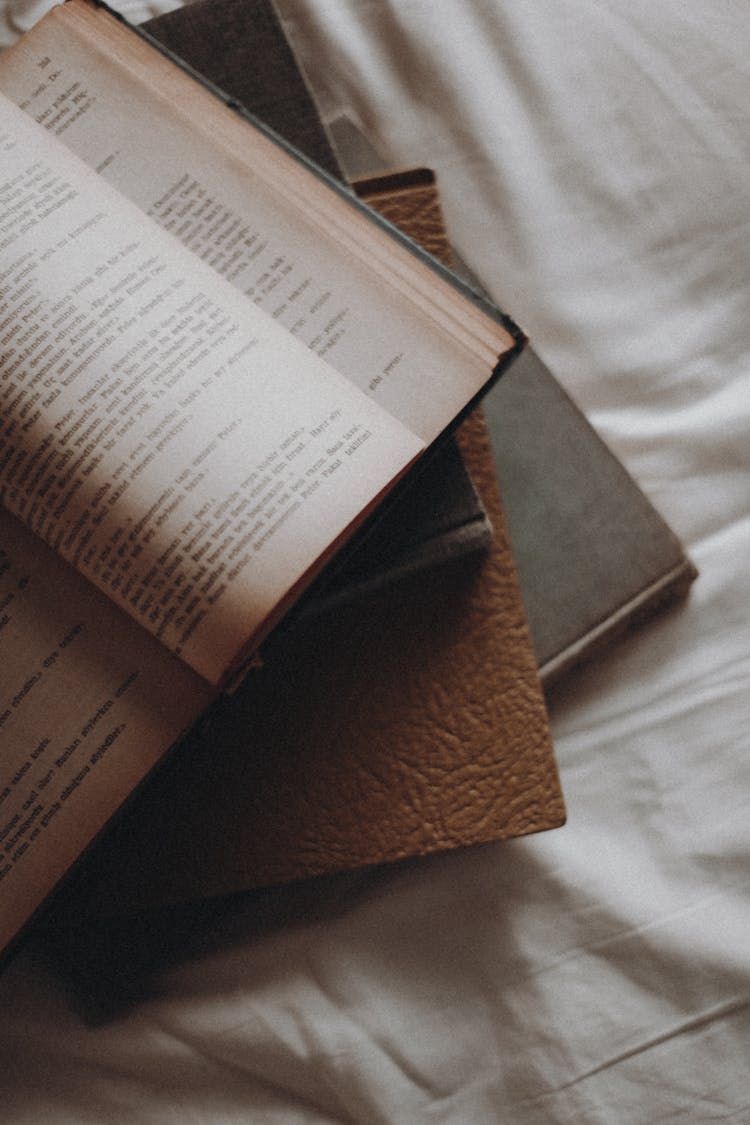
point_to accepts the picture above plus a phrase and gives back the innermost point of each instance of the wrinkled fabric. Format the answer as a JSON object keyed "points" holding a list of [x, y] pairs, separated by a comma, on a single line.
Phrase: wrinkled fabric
{"points": [[17, 16], [594, 166]]}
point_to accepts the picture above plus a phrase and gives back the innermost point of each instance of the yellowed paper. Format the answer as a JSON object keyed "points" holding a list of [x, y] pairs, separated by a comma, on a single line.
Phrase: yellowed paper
{"points": [[89, 703], [247, 209], [176, 445]]}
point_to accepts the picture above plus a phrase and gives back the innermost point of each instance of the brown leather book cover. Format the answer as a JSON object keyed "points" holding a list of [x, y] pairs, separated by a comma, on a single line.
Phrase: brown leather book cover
{"points": [[402, 725], [399, 725]]}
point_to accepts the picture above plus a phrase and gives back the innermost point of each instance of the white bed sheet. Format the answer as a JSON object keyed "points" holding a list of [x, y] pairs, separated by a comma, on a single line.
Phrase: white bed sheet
{"points": [[594, 162]]}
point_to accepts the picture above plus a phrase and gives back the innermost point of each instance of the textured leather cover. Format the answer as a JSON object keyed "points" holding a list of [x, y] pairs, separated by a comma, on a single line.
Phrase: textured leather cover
{"points": [[409, 199], [407, 723]]}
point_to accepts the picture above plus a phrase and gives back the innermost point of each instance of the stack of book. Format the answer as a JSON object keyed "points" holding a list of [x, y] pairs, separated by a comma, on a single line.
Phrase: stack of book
{"points": [[302, 507]]}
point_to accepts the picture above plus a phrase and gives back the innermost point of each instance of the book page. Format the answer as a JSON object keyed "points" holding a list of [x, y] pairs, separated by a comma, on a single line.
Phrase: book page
{"points": [[249, 210], [89, 702], [183, 451]]}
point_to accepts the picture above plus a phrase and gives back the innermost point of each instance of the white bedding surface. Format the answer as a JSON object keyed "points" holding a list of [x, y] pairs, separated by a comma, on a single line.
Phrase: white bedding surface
{"points": [[594, 163]]}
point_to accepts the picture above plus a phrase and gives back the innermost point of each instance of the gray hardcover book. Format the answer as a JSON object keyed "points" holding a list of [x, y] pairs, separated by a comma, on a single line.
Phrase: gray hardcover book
{"points": [[594, 556]]}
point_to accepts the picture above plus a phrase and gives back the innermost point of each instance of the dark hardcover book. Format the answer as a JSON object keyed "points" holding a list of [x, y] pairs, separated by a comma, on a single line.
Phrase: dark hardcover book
{"points": [[594, 556]]}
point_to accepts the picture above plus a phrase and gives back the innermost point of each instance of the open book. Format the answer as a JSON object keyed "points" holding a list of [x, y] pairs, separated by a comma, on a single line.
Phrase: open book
{"points": [[180, 453]]}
